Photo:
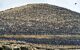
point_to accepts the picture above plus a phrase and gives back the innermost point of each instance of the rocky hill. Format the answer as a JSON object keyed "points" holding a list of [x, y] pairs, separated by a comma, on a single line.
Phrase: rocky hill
{"points": [[39, 19]]}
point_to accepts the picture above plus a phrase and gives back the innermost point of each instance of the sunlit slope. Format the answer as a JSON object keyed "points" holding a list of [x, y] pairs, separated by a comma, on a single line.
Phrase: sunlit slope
{"points": [[39, 19]]}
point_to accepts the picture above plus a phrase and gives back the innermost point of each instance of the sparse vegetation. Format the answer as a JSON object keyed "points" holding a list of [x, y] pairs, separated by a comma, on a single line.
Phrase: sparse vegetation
{"points": [[39, 19], [46, 24]]}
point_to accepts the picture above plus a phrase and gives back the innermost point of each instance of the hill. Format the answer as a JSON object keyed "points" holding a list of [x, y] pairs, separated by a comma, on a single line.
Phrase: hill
{"points": [[39, 19]]}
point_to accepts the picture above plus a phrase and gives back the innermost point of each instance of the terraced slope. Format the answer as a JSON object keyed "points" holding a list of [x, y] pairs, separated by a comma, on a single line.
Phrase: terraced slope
{"points": [[39, 19]]}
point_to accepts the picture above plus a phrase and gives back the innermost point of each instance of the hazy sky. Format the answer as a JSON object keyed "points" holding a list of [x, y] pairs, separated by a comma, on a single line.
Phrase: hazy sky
{"points": [[70, 4]]}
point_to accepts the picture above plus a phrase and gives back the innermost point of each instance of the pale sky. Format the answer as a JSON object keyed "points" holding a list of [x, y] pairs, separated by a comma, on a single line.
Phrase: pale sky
{"points": [[69, 4]]}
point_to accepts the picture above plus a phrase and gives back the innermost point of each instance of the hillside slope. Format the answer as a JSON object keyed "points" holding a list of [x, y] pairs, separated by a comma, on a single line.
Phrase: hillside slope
{"points": [[39, 19]]}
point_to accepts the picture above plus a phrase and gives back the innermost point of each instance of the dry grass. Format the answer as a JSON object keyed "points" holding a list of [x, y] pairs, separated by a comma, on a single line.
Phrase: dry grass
{"points": [[41, 36]]}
